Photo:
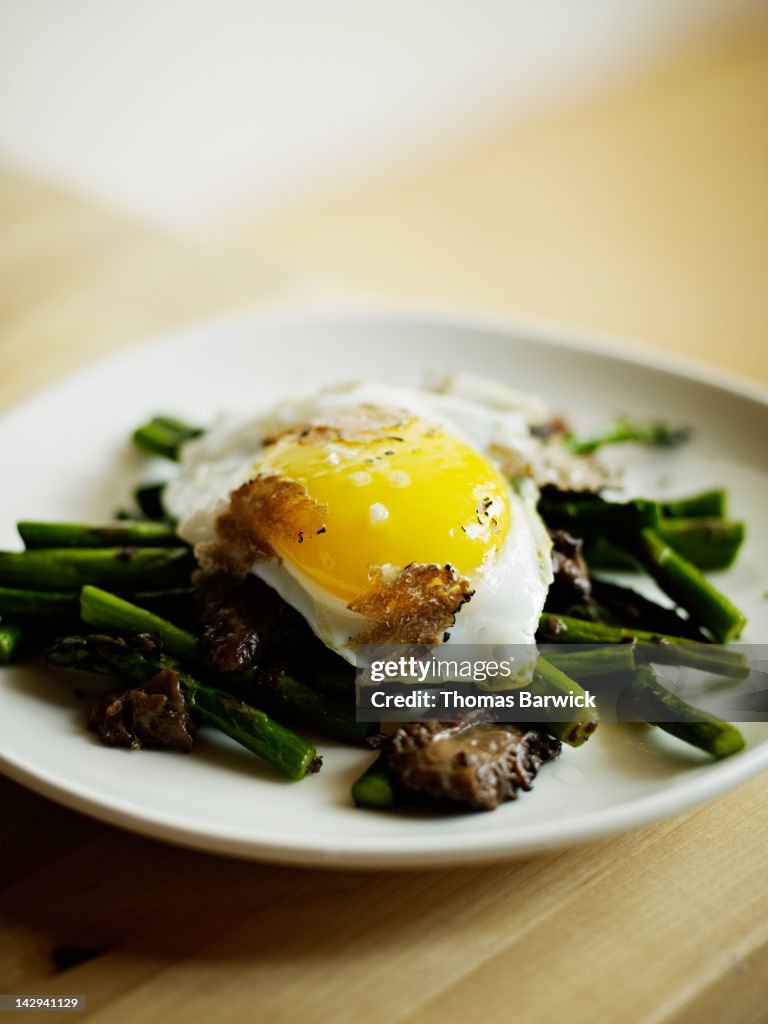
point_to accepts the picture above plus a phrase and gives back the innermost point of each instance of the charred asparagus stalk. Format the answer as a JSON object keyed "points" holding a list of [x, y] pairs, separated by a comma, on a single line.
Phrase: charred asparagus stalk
{"points": [[127, 569], [678, 650], [133, 534]]}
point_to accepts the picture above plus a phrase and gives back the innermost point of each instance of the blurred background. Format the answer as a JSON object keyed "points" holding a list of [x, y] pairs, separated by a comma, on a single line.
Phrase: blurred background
{"points": [[600, 162]]}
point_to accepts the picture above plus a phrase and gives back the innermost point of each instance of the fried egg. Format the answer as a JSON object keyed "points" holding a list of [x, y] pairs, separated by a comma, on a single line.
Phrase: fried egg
{"points": [[401, 477]]}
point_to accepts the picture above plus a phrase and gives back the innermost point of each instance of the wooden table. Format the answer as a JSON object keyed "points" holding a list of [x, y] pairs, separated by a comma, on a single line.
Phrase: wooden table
{"points": [[646, 212]]}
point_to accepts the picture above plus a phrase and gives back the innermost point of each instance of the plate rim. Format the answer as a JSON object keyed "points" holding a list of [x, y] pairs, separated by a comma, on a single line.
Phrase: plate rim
{"points": [[551, 332], [444, 851]]}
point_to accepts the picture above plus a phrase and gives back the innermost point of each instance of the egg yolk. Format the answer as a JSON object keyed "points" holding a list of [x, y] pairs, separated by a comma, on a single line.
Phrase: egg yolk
{"points": [[412, 493]]}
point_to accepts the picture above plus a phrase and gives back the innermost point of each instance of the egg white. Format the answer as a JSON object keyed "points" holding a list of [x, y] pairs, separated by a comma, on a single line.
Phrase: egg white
{"points": [[509, 589]]}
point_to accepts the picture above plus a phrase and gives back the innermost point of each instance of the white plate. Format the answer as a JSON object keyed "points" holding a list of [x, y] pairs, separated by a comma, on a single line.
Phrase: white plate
{"points": [[65, 454]]}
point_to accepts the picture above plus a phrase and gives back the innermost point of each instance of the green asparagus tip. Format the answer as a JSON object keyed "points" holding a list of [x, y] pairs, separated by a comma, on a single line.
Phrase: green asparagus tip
{"points": [[710, 504], [649, 432], [164, 436]]}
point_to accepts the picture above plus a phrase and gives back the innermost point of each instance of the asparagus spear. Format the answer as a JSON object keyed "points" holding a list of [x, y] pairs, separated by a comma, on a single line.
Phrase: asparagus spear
{"points": [[127, 533], [164, 435], [621, 606], [709, 543], [48, 607], [290, 699], [565, 629], [336, 682], [252, 728], [176, 604], [301, 705], [11, 639], [687, 587], [593, 662], [374, 788], [676, 650], [651, 432], [122, 568], [646, 697], [593, 514], [677, 577], [132, 661], [706, 543], [548, 679], [711, 504], [149, 498], [114, 614], [42, 606], [249, 726]]}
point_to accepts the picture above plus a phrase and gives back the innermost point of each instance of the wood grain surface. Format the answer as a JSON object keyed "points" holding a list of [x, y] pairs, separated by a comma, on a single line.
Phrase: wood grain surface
{"points": [[642, 211], [665, 924]]}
